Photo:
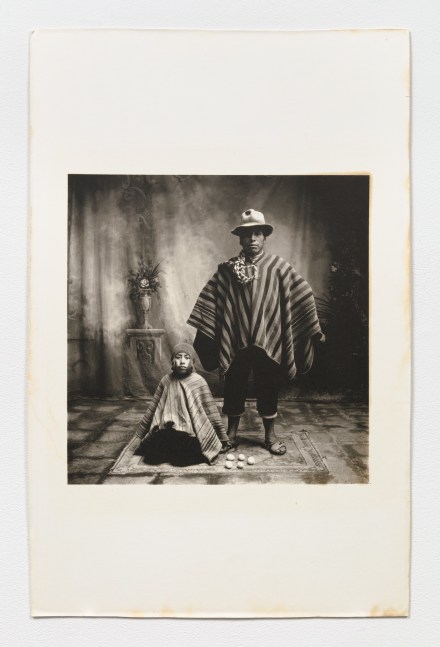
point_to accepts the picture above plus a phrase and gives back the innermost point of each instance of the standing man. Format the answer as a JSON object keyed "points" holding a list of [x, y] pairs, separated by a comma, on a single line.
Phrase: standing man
{"points": [[255, 313]]}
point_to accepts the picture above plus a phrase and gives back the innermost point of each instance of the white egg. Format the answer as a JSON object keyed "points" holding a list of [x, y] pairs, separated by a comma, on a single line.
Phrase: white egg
{"points": [[240, 465], [230, 457], [251, 460], [241, 457], [228, 465]]}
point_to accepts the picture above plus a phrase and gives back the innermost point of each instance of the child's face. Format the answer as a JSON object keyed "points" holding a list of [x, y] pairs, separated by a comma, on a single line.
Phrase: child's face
{"points": [[181, 363]]}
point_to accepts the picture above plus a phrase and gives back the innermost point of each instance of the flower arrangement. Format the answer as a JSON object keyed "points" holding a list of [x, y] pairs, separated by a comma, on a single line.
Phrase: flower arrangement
{"points": [[144, 281]]}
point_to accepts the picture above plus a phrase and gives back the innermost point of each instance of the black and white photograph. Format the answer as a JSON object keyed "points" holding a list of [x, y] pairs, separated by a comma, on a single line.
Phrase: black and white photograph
{"points": [[219, 271], [218, 329], [220, 262]]}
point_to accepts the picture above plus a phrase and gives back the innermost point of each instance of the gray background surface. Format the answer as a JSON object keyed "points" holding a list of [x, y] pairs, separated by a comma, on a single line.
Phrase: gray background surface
{"points": [[320, 227], [17, 19]]}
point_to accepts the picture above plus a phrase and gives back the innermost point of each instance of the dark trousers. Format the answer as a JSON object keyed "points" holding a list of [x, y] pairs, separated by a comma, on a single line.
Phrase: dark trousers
{"points": [[266, 381]]}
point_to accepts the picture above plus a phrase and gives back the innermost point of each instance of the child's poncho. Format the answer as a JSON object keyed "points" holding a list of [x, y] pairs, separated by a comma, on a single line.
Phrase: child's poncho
{"points": [[185, 404]]}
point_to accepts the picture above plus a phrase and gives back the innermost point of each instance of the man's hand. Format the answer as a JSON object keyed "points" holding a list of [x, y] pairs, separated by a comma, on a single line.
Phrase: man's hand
{"points": [[320, 337]]}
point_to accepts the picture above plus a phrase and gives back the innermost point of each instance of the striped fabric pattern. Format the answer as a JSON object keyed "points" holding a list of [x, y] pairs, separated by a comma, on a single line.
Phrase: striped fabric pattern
{"points": [[276, 312], [185, 402], [171, 410]]}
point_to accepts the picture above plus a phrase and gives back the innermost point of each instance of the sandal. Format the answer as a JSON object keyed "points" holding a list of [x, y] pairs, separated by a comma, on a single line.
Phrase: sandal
{"points": [[277, 448], [229, 446]]}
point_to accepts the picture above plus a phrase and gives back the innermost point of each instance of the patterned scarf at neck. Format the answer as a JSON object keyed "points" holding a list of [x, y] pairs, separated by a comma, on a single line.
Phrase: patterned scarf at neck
{"points": [[238, 267]]}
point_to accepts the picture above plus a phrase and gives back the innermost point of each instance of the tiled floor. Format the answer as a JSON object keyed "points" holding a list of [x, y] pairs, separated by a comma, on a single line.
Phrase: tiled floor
{"points": [[98, 430]]}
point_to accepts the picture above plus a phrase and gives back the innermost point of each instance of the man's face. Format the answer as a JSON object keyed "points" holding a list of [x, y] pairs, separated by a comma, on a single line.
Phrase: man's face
{"points": [[252, 241], [181, 364]]}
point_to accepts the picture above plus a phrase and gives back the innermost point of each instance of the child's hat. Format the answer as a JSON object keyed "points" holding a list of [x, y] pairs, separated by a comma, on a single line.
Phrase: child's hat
{"points": [[184, 347]]}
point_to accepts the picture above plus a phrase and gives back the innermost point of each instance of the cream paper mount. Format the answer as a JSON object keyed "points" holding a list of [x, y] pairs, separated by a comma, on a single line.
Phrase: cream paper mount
{"points": [[160, 104]]}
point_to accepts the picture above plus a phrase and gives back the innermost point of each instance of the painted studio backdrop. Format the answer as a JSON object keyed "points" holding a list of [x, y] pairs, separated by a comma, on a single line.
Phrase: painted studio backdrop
{"points": [[121, 227]]}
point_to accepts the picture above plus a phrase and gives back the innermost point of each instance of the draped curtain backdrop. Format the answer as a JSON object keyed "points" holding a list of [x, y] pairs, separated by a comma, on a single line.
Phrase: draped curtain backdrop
{"points": [[184, 222]]}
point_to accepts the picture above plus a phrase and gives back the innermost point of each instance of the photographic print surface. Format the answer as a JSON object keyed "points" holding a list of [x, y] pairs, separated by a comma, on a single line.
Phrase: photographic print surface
{"points": [[141, 251]]}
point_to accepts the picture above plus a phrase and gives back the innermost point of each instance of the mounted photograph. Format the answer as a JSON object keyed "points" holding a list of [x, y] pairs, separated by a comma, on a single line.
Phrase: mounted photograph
{"points": [[218, 329], [219, 296]]}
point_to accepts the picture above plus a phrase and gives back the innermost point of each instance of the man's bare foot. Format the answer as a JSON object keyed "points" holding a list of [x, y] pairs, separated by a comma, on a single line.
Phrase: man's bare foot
{"points": [[269, 431], [233, 422], [271, 442], [277, 448], [227, 446]]}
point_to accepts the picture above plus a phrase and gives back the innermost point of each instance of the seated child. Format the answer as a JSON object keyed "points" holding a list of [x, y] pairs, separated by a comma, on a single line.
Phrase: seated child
{"points": [[182, 425]]}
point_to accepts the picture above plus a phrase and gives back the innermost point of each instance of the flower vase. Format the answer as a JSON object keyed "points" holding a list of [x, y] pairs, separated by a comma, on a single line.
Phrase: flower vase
{"points": [[143, 308]]}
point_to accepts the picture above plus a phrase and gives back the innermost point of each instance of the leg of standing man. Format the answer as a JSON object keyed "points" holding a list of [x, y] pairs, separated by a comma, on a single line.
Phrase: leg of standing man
{"points": [[267, 384], [235, 391]]}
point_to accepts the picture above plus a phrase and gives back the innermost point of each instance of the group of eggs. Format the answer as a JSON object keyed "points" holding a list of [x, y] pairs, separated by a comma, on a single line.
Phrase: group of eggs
{"points": [[230, 458]]}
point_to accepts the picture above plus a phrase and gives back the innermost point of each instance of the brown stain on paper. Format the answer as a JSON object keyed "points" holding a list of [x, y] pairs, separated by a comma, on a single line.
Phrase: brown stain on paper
{"points": [[136, 613], [388, 612]]}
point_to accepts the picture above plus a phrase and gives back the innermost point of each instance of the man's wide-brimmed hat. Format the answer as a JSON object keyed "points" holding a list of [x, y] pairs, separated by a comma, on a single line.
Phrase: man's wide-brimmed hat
{"points": [[252, 218]]}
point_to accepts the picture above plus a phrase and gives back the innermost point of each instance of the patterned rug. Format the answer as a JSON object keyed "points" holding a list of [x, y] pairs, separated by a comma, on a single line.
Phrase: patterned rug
{"points": [[301, 458]]}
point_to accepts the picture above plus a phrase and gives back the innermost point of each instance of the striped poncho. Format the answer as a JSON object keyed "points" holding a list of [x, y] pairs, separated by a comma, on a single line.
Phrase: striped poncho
{"points": [[185, 404], [275, 312]]}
